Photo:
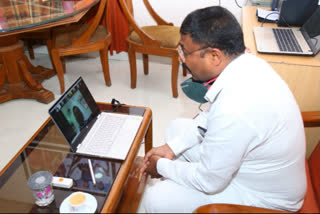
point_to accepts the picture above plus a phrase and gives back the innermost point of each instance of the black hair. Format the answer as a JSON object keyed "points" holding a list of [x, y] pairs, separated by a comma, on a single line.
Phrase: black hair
{"points": [[78, 115], [214, 27]]}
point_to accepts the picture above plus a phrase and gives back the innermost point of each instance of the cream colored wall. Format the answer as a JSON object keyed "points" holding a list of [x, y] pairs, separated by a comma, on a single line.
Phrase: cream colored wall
{"points": [[176, 10]]}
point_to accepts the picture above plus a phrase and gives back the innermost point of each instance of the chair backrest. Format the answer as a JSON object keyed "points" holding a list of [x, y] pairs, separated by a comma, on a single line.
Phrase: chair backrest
{"points": [[314, 167], [311, 202], [154, 15], [85, 37], [312, 199], [127, 8]]}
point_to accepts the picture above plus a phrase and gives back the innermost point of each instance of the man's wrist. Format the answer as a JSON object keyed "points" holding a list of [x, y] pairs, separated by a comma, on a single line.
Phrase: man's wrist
{"points": [[161, 163], [174, 146]]}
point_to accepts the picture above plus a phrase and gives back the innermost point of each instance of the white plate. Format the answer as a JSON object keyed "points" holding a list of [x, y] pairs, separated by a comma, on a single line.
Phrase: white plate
{"points": [[90, 205]]}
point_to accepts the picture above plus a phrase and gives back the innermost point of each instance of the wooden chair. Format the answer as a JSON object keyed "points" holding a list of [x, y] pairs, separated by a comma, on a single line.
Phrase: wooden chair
{"points": [[160, 40], [312, 198], [81, 38], [36, 37], [29, 44]]}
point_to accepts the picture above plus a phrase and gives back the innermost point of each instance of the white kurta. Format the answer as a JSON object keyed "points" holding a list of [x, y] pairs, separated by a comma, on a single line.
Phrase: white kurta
{"points": [[252, 152]]}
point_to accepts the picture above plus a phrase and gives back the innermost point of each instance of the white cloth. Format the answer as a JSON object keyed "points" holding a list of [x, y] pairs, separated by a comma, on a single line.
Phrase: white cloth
{"points": [[252, 153]]}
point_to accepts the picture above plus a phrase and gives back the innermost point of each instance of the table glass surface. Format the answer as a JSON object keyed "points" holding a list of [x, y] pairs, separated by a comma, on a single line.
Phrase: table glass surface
{"points": [[20, 14], [49, 151]]}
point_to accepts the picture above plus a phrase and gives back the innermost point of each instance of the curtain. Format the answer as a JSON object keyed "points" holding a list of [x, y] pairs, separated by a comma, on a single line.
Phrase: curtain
{"points": [[117, 26]]}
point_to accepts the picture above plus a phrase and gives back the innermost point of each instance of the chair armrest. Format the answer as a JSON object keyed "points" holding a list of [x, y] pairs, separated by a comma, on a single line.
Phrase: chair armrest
{"points": [[311, 118], [233, 208], [154, 15]]}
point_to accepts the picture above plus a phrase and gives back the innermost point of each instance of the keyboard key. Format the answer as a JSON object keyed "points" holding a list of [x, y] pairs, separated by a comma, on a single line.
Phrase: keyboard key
{"points": [[104, 133], [286, 40]]}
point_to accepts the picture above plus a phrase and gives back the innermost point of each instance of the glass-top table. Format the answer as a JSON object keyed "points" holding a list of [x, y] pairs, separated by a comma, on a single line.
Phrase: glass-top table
{"points": [[18, 77], [22, 14], [117, 186]]}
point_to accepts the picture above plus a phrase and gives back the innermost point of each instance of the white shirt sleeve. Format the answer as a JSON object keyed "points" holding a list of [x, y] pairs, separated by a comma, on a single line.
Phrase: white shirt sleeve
{"points": [[222, 150], [182, 134]]}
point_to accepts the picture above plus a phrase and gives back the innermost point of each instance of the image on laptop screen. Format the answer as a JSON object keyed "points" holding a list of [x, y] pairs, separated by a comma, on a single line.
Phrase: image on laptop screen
{"points": [[74, 111]]}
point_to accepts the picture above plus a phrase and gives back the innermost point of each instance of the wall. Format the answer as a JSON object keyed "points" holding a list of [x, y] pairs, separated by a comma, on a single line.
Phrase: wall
{"points": [[176, 10]]}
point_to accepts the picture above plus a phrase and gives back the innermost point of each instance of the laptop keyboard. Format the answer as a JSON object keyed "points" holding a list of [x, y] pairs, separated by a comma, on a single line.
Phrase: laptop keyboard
{"points": [[104, 134], [286, 40]]}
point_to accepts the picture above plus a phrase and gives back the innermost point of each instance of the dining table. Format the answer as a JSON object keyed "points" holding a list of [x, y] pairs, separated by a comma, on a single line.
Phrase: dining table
{"points": [[19, 78]]}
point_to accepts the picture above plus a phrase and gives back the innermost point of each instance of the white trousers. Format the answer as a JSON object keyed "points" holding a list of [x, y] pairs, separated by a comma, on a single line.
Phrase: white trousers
{"points": [[166, 196]]}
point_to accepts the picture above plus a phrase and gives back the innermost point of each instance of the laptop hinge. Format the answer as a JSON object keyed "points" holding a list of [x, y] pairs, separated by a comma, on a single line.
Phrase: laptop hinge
{"points": [[308, 40]]}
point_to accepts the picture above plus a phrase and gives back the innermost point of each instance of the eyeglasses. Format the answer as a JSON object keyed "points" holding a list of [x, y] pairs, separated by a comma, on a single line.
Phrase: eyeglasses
{"points": [[183, 54]]}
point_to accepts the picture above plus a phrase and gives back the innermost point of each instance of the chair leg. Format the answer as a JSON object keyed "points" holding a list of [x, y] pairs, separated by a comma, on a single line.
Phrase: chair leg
{"points": [[49, 47], [184, 71], [63, 62], [174, 76], [145, 59], [56, 60], [133, 66], [105, 65], [30, 49]]}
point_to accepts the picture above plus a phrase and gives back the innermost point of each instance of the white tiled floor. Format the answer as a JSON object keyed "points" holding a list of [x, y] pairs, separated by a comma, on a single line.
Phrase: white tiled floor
{"points": [[21, 118]]}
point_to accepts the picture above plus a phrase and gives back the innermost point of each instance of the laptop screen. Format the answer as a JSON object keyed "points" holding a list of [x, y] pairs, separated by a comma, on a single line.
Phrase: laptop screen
{"points": [[311, 31], [74, 113], [295, 12]]}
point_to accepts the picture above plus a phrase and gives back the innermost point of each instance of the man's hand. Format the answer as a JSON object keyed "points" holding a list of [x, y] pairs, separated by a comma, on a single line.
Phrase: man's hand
{"points": [[160, 152], [151, 167]]}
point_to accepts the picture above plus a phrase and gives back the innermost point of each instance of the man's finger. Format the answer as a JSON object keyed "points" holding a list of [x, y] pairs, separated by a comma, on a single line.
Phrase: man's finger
{"points": [[145, 165], [148, 155], [142, 169]]}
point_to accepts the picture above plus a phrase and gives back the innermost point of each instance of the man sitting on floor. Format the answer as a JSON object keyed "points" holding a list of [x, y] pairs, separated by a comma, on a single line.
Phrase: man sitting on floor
{"points": [[248, 147]]}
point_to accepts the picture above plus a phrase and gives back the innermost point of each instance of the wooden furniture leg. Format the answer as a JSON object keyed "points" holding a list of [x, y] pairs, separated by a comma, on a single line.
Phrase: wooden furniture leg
{"points": [[148, 139], [145, 63], [105, 65], [134, 187], [133, 67], [18, 77], [174, 76], [184, 72], [30, 49]]}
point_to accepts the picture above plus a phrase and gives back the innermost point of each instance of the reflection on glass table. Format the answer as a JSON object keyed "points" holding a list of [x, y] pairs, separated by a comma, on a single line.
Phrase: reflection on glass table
{"points": [[17, 14], [49, 151], [77, 168]]}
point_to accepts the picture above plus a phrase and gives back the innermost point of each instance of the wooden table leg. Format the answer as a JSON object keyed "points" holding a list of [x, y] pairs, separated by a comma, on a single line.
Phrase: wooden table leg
{"points": [[148, 139], [18, 77], [135, 184]]}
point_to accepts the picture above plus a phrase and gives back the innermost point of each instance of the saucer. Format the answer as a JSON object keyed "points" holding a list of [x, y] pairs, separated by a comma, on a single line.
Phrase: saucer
{"points": [[91, 205]]}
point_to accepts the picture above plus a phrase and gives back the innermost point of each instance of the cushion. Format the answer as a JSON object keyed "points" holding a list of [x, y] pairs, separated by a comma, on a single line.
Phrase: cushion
{"points": [[66, 34], [168, 35]]}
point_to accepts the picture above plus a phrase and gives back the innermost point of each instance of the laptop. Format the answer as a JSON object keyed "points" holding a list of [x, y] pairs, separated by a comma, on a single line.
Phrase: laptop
{"points": [[89, 131], [290, 41], [295, 12]]}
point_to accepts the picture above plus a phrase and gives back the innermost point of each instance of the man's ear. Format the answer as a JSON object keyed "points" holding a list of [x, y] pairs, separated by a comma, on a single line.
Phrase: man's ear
{"points": [[216, 56]]}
